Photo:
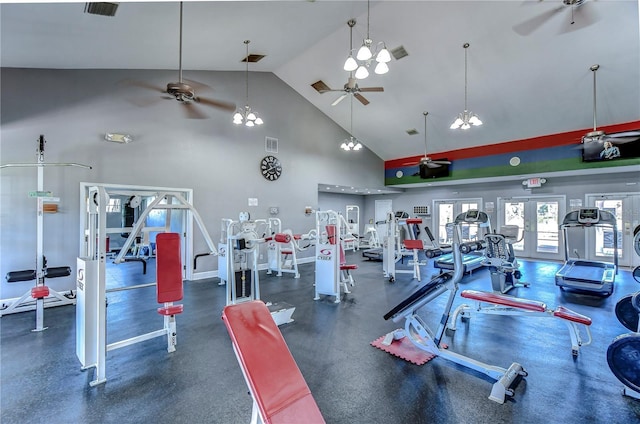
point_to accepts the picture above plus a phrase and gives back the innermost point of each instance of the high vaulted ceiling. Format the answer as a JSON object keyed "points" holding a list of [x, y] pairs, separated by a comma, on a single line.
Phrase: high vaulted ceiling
{"points": [[528, 64]]}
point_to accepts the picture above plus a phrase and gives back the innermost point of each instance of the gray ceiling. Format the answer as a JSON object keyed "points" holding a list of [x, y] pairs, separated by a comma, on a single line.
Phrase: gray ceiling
{"points": [[528, 66]]}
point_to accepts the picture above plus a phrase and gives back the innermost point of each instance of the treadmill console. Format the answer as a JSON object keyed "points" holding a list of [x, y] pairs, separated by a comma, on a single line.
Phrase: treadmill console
{"points": [[589, 216], [472, 215]]}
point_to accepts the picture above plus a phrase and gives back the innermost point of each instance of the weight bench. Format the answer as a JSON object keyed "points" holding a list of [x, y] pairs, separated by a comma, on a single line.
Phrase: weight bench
{"points": [[280, 392], [501, 304]]}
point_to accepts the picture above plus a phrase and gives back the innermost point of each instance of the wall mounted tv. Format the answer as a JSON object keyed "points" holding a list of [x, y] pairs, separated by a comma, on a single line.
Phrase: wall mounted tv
{"points": [[611, 147], [436, 172]]}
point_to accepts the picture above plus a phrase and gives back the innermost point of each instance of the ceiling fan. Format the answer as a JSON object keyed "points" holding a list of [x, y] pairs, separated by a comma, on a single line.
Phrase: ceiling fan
{"points": [[599, 135], [426, 161], [581, 16], [184, 90], [351, 87]]}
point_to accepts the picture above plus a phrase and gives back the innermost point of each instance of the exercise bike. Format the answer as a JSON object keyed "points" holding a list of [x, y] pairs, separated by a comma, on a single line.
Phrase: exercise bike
{"points": [[623, 354]]}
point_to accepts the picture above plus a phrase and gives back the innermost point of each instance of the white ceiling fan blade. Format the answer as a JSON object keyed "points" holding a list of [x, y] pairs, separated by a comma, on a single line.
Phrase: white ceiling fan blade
{"points": [[442, 162], [339, 99]]}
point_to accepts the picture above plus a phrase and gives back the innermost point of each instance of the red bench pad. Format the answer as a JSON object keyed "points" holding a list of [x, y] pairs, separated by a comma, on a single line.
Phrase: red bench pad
{"points": [[499, 299], [171, 310], [568, 314], [348, 266], [413, 244], [414, 220], [168, 268], [274, 379]]}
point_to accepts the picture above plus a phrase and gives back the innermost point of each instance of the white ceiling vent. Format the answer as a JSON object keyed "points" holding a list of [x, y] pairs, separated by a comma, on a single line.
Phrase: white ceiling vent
{"points": [[271, 145]]}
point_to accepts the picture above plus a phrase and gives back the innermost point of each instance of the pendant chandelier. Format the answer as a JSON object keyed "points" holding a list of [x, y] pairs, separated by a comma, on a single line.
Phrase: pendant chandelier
{"points": [[467, 118], [351, 143], [367, 53], [244, 115]]}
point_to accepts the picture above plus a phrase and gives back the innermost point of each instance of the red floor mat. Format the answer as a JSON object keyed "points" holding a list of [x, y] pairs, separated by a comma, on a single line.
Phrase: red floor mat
{"points": [[404, 349]]}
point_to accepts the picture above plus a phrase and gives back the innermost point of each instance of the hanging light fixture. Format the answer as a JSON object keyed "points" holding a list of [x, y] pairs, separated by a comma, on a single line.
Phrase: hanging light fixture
{"points": [[367, 53], [245, 115], [465, 119], [351, 143]]}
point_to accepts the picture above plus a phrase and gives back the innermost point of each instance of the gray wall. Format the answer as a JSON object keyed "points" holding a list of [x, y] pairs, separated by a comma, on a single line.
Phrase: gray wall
{"points": [[218, 160]]}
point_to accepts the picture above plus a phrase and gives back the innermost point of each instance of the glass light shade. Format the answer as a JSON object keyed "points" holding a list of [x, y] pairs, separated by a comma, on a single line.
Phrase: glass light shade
{"points": [[259, 121], [344, 146], [237, 117], [251, 116], [465, 126], [364, 53], [249, 123], [362, 72], [358, 146], [381, 68], [350, 64], [383, 56], [474, 120], [457, 123]]}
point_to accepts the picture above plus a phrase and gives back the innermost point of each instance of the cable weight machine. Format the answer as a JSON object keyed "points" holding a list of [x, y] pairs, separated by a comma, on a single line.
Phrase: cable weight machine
{"points": [[42, 294]]}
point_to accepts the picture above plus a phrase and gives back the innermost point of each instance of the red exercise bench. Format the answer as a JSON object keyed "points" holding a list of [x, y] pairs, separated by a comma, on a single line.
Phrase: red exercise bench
{"points": [[280, 392], [501, 304]]}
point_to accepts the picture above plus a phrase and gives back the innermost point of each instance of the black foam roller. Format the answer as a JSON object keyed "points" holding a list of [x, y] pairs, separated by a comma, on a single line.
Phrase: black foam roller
{"points": [[25, 275], [58, 271]]}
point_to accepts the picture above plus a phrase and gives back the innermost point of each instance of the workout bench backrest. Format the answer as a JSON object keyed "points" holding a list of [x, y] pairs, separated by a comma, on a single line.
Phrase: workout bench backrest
{"points": [[168, 268], [276, 384]]}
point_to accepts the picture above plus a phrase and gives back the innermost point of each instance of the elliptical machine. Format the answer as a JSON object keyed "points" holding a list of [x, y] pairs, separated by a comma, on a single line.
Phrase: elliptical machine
{"points": [[624, 351]]}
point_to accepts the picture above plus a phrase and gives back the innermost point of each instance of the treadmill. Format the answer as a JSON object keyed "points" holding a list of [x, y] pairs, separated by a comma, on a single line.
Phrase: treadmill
{"points": [[595, 277]]}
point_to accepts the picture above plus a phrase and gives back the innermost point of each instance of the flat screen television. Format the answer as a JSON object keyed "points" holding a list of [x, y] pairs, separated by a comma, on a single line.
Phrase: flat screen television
{"points": [[437, 172], [611, 148]]}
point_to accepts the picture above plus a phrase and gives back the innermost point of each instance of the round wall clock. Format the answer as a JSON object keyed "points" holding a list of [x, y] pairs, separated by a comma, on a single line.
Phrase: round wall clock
{"points": [[271, 168]]}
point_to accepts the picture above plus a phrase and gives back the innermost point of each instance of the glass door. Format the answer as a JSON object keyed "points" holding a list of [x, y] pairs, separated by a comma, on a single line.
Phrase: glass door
{"points": [[626, 208], [538, 219], [446, 211]]}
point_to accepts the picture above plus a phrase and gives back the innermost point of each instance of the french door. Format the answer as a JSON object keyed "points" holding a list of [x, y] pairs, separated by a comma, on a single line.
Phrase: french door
{"points": [[538, 219], [626, 208], [445, 211]]}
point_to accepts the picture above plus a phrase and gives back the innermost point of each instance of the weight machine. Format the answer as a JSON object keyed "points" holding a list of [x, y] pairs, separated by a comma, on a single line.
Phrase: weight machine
{"points": [[41, 294], [500, 257], [332, 271], [91, 309], [422, 337], [351, 240], [400, 232], [244, 238], [591, 276], [624, 350], [282, 248]]}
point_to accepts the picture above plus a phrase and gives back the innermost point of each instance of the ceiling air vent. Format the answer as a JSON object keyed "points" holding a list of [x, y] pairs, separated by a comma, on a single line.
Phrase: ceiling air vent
{"points": [[399, 52], [412, 131], [253, 58], [102, 9]]}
